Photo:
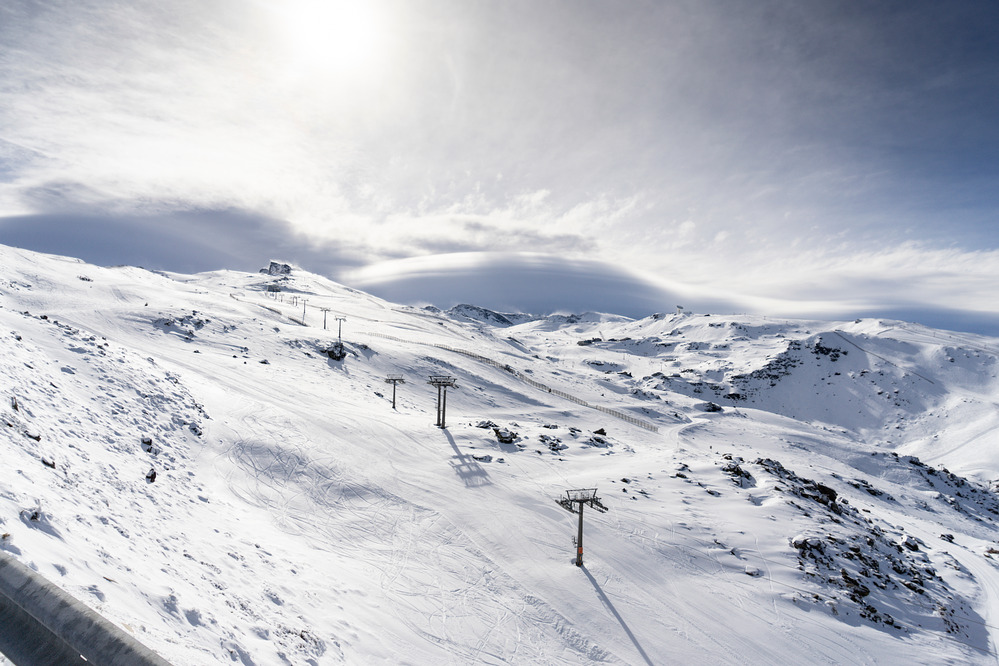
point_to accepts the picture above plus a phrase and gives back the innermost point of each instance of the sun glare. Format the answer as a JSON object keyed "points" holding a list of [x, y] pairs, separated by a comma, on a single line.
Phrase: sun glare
{"points": [[341, 37]]}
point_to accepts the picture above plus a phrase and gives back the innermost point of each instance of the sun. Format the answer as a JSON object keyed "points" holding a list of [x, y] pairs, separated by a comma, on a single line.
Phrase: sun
{"points": [[342, 37]]}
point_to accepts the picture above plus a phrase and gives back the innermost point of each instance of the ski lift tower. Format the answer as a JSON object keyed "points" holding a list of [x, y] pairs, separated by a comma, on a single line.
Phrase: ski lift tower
{"points": [[580, 498], [394, 380], [442, 382], [338, 350]]}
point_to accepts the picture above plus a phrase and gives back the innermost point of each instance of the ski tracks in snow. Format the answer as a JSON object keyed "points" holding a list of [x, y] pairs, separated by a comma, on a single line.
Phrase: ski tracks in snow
{"points": [[442, 587]]}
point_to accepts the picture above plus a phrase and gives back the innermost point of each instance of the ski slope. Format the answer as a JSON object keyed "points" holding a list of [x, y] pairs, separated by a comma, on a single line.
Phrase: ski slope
{"points": [[295, 517]]}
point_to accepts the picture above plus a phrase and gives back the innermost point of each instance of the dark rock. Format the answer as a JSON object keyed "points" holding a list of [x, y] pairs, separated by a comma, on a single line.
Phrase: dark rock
{"points": [[505, 436], [276, 268]]}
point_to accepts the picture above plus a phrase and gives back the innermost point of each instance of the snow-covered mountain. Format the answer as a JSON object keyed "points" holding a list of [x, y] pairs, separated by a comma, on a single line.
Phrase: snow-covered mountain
{"points": [[182, 453]]}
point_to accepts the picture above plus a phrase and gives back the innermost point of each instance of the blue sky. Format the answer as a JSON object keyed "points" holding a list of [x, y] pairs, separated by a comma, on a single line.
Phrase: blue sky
{"points": [[796, 158]]}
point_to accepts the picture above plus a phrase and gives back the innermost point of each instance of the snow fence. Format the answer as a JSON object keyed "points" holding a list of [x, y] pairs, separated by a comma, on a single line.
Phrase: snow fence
{"points": [[40, 624]]}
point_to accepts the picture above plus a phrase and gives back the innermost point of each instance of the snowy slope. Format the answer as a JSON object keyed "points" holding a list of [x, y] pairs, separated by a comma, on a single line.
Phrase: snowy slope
{"points": [[793, 503]]}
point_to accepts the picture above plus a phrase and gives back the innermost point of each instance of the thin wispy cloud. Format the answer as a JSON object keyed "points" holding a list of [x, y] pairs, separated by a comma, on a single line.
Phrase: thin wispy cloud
{"points": [[785, 152]]}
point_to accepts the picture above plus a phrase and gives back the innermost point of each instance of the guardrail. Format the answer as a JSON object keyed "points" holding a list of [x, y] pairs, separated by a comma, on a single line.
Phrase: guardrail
{"points": [[530, 382], [41, 624]]}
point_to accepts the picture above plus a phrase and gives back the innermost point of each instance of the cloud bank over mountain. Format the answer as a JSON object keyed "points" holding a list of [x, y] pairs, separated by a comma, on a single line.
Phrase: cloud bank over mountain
{"points": [[509, 282]]}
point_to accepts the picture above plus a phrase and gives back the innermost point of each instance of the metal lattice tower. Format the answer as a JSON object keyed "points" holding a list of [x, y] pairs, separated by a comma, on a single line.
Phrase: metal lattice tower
{"points": [[579, 498], [442, 382]]}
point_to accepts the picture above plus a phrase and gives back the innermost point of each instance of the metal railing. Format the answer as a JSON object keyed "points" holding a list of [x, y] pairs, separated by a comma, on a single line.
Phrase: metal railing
{"points": [[41, 624]]}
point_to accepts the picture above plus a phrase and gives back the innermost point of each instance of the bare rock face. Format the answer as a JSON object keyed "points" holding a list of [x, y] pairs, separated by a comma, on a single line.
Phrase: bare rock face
{"points": [[505, 436], [277, 268]]}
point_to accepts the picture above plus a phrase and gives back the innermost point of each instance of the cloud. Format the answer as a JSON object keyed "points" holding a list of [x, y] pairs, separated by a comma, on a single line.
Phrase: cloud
{"points": [[523, 282], [872, 278], [950, 288], [183, 242], [947, 289], [808, 157]]}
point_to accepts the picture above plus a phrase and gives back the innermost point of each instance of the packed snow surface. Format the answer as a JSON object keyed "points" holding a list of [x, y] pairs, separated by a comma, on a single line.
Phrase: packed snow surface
{"points": [[183, 454]]}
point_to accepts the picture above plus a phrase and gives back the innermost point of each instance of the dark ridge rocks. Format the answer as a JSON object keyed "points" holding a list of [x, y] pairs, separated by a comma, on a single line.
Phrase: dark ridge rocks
{"points": [[740, 477], [832, 352], [276, 268]]}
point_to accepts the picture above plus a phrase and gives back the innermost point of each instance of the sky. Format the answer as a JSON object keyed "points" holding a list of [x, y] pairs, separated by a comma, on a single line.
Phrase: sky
{"points": [[818, 158]]}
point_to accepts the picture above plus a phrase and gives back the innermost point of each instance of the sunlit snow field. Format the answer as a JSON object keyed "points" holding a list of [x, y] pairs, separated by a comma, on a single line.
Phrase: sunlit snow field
{"points": [[795, 490]]}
